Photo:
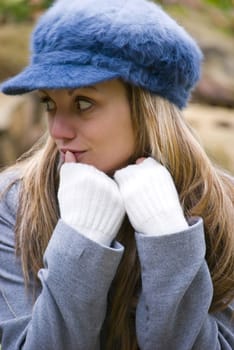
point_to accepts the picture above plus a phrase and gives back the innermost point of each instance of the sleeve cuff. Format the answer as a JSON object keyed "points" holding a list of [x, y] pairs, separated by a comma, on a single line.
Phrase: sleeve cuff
{"points": [[71, 254], [166, 255]]}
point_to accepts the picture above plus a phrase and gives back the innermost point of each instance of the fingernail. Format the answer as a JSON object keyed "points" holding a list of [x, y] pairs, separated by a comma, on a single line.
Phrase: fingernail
{"points": [[69, 157]]}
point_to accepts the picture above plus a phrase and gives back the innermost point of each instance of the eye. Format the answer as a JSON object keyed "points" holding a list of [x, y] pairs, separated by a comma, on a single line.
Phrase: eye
{"points": [[83, 104], [48, 103]]}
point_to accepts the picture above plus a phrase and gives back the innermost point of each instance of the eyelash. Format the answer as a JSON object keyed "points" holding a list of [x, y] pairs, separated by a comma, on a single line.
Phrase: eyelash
{"points": [[79, 99], [45, 101]]}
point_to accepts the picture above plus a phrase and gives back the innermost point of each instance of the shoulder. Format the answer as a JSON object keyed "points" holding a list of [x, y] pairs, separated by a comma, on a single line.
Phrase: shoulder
{"points": [[230, 178], [9, 193], [226, 175]]}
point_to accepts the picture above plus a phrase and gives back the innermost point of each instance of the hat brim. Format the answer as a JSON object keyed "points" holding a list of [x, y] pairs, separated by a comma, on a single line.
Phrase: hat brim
{"points": [[41, 76]]}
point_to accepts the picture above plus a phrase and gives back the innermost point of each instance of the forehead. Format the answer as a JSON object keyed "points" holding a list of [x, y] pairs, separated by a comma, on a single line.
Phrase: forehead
{"points": [[107, 88], [69, 92]]}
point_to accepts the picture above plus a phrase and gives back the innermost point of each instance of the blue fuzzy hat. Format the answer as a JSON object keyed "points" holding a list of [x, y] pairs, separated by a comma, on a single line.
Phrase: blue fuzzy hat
{"points": [[83, 42]]}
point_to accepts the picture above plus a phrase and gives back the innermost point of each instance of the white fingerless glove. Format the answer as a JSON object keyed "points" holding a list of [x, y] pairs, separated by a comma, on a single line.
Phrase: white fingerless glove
{"points": [[150, 197], [90, 202]]}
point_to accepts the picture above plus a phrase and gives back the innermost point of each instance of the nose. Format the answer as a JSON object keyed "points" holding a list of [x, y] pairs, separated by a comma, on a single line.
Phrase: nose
{"points": [[61, 127]]}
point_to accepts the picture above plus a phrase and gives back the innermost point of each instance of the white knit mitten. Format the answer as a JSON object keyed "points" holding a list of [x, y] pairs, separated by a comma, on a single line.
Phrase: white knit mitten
{"points": [[150, 197], [90, 202]]}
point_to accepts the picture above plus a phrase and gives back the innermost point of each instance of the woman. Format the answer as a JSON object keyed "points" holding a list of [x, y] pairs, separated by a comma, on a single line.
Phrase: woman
{"points": [[116, 229]]}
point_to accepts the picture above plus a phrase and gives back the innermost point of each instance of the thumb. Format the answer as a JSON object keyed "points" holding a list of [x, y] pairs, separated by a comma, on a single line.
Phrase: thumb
{"points": [[140, 160], [69, 157]]}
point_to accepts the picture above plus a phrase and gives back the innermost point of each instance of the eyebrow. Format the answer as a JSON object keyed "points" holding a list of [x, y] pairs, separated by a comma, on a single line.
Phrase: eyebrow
{"points": [[71, 91], [40, 90]]}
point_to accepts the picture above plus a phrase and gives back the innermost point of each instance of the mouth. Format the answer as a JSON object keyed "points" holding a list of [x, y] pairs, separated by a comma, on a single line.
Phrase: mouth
{"points": [[77, 154]]}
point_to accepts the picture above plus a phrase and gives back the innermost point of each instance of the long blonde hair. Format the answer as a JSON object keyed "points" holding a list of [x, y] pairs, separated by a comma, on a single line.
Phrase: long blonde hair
{"points": [[162, 133]]}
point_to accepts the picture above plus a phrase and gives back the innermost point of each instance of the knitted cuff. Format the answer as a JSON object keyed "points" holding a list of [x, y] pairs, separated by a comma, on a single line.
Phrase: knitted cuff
{"points": [[150, 198], [90, 202]]}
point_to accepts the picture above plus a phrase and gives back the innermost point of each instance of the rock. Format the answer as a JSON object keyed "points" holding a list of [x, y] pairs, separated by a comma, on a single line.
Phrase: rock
{"points": [[213, 30], [14, 54], [21, 125], [214, 128], [214, 91], [217, 84]]}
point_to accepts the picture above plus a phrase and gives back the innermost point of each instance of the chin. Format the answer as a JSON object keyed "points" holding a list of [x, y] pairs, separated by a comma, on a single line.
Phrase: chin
{"points": [[105, 168], [113, 169]]}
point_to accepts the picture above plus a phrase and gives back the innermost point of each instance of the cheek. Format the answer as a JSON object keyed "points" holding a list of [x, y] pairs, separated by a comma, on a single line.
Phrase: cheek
{"points": [[117, 142], [123, 135], [49, 124], [123, 140]]}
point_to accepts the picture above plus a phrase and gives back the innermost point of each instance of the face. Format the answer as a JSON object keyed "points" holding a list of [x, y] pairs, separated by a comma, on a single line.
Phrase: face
{"points": [[94, 123]]}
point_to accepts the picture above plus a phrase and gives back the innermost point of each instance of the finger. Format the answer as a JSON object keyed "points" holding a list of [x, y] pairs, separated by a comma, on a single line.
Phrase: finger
{"points": [[140, 160], [69, 157]]}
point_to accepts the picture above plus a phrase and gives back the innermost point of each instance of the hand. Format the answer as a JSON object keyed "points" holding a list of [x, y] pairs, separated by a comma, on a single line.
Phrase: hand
{"points": [[150, 198], [90, 201]]}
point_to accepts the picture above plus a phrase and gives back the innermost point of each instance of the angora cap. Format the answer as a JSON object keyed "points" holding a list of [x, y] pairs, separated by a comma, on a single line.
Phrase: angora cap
{"points": [[80, 43]]}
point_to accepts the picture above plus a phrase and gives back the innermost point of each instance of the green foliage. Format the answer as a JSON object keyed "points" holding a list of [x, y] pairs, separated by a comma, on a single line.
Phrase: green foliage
{"points": [[20, 10], [16, 9], [222, 4]]}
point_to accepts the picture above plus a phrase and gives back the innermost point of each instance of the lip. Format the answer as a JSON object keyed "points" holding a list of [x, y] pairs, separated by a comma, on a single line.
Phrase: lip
{"points": [[77, 153]]}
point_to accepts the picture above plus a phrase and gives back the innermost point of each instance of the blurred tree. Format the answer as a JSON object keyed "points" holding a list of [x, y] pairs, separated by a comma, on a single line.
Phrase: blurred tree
{"points": [[20, 10], [223, 4]]}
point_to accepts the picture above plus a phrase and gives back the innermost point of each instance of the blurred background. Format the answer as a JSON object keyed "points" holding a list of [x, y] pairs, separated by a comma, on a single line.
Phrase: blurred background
{"points": [[210, 112]]}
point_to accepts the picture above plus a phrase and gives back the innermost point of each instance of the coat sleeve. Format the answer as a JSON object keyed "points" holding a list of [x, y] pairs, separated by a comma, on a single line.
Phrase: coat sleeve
{"points": [[172, 312], [71, 300]]}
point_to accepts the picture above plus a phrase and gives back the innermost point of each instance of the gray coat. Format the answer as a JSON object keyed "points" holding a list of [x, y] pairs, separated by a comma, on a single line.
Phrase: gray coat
{"points": [[70, 307]]}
